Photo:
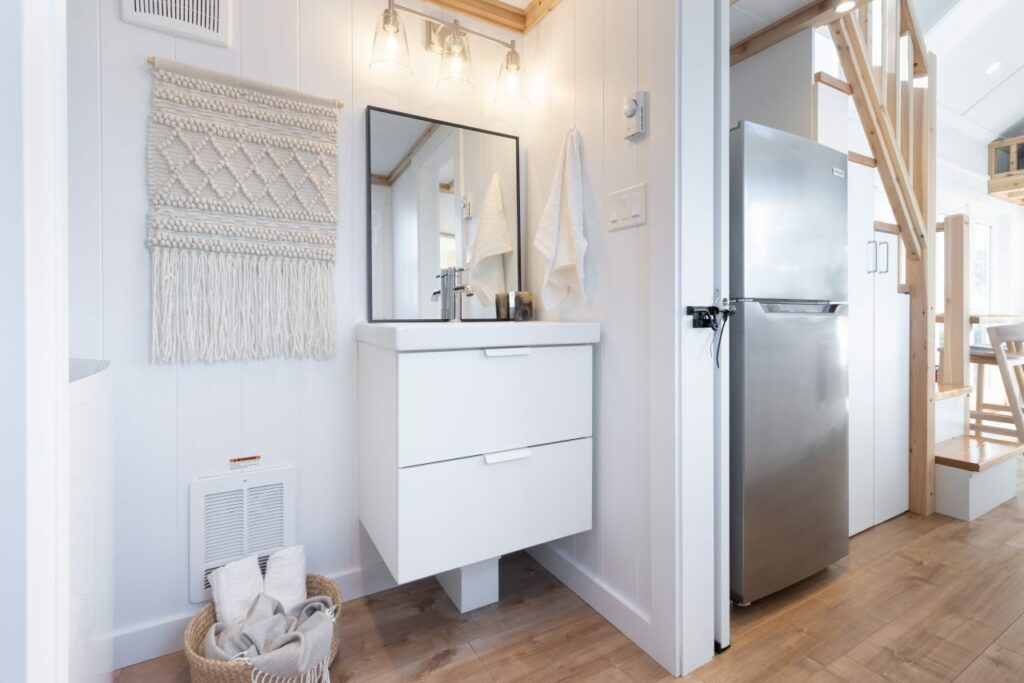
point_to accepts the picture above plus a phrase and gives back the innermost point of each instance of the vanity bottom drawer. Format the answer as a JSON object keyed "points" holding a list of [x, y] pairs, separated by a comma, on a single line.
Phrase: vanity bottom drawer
{"points": [[455, 513]]}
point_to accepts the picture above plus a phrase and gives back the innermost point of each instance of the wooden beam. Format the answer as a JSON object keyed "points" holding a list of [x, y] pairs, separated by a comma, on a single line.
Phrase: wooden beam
{"points": [[380, 180], [921, 280], [492, 11], [909, 22], [812, 15], [405, 161], [956, 324], [890, 228], [862, 159], [833, 82], [879, 130], [537, 10]]}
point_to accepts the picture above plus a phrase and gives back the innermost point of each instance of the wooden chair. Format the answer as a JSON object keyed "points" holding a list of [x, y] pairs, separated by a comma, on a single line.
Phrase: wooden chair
{"points": [[1008, 350]]}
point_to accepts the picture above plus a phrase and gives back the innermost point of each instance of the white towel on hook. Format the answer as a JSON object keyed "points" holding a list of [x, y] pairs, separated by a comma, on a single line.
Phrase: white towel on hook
{"points": [[560, 237], [492, 242]]}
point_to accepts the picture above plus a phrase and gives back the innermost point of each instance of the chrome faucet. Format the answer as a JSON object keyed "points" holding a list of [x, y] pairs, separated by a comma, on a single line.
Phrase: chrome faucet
{"points": [[452, 289]]}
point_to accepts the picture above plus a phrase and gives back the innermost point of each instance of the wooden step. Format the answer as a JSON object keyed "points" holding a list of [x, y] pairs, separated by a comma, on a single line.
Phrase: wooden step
{"points": [[975, 454], [943, 391]]}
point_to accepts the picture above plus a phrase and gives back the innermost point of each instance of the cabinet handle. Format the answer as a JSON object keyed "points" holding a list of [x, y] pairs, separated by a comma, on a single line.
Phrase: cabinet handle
{"points": [[507, 456], [509, 351], [872, 256], [885, 269]]}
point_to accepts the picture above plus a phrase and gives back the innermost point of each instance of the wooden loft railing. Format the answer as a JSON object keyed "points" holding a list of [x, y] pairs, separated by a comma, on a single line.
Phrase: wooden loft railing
{"points": [[1006, 169]]}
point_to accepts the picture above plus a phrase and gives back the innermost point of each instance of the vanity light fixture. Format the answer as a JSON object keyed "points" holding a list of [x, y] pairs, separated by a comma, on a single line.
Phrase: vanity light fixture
{"points": [[390, 45], [456, 70], [511, 79]]}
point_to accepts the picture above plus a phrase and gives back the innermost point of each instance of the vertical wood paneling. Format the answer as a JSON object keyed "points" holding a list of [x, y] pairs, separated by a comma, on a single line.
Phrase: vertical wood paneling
{"points": [[584, 60], [145, 409], [176, 423], [624, 287], [588, 105]]}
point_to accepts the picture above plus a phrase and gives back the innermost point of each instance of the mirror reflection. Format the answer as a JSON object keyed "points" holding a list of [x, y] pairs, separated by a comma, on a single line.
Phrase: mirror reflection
{"points": [[443, 209]]}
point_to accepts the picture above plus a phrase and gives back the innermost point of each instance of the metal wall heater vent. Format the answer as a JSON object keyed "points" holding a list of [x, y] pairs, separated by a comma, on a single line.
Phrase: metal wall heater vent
{"points": [[206, 20], [233, 516]]}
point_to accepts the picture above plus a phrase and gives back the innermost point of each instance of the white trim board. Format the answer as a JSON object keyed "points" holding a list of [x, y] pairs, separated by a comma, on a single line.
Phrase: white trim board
{"points": [[623, 614], [150, 640]]}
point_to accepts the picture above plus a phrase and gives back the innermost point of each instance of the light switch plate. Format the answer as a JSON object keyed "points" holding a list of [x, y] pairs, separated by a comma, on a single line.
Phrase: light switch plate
{"points": [[627, 208]]}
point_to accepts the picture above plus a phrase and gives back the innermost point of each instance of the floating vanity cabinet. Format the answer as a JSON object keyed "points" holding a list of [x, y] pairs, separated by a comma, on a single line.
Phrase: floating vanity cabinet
{"points": [[879, 362], [474, 441]]}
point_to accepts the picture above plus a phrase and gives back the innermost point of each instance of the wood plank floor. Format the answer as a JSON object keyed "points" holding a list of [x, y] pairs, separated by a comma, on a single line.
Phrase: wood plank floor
{"points": [[918, 599]]}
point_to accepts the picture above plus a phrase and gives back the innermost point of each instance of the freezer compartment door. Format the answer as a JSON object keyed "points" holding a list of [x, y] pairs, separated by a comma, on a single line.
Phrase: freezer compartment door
{"points": [[789, 495], [788, 216]]}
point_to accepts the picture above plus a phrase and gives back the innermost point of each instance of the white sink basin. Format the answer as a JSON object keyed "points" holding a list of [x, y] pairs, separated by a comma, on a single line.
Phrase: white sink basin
{"points": [[474, 335]]}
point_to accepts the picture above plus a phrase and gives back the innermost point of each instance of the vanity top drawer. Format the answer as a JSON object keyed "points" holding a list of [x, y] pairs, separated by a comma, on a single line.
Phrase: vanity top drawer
{"points": [[454, 404]]}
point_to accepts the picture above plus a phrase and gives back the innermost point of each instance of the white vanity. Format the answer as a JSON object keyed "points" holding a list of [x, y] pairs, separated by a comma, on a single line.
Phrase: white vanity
{"points": [[474, 441]]}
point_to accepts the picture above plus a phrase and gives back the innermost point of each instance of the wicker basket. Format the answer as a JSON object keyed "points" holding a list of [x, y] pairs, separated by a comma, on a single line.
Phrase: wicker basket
{"points": [[212, 671]]}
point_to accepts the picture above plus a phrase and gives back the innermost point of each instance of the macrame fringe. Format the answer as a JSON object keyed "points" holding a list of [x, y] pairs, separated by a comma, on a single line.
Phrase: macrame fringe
{"points": [[318, 674], [214, 306]]}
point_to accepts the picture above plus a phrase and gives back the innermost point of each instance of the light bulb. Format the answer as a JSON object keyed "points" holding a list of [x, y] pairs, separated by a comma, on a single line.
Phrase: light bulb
{"points": [[455, 73], [390, 46], [845, 6], [511, 80]]}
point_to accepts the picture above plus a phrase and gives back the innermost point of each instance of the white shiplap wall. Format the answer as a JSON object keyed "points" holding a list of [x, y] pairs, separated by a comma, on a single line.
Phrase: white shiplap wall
{"points": [[653, 447], [583, 60], [173, 423]]}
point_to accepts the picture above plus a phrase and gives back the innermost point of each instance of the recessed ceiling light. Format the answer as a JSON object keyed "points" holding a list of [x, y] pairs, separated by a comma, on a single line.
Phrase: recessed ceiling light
{"points": [[993, 67], [845, 6]]}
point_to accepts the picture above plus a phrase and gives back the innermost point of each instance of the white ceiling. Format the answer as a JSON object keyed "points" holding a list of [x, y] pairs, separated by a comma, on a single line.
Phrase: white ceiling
{"points": [[966, 36], [391, 138], [972, 35]]}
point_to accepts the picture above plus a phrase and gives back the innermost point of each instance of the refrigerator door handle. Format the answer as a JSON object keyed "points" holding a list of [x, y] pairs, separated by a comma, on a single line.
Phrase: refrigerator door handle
{"points": [[872, 256], [884, 269], [800, 308]]}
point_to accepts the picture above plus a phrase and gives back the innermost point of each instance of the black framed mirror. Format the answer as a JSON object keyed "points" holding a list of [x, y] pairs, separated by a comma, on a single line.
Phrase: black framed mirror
{"points": [[439, 196]]}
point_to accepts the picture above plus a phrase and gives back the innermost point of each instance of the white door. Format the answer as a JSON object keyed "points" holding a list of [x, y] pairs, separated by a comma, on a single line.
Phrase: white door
{"points": [[891, 387], [862, 268]]}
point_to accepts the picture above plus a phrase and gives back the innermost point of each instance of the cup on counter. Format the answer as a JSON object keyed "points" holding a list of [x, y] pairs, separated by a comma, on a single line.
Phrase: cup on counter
{"points": [[516, 306]]}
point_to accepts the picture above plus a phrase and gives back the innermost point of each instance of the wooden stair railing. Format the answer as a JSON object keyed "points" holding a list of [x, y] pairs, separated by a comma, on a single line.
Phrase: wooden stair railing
{"points": [[899, 121]]}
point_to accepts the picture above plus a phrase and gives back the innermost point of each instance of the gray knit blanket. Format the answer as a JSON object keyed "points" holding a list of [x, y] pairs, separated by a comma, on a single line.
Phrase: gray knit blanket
{"points": [[279, 645], [242, 225]]}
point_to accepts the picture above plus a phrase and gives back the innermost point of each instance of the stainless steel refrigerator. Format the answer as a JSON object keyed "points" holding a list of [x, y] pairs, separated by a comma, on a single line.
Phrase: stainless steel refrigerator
{"points": [[788, 392]]}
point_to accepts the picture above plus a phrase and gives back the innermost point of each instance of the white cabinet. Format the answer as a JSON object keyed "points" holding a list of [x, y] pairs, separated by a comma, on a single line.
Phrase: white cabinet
{"points": [[475, 440], [879, 365]]}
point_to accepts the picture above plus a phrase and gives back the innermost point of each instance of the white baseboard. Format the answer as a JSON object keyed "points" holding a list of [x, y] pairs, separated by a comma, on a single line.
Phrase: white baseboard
{"points": [[157, 638], [609, 603]]}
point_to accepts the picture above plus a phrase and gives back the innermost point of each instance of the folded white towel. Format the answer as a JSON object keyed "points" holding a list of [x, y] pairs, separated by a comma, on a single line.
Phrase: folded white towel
{"points": [[235, 587], [560, 236], [492, 242], [285, 580]]}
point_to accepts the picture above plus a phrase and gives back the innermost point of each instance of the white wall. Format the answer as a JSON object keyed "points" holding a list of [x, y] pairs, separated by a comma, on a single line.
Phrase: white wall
{"points": [[13, 376], [173, 423], [651, 436]]}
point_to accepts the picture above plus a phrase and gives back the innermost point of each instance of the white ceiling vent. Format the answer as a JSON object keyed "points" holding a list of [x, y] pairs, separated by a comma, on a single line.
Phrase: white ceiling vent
{"points": [[206, 20], [232, 516]]}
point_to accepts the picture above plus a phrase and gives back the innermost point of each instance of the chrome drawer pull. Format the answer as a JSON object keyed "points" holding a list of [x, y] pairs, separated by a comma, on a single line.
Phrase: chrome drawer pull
{"points": [[510, 351], [507, 456]]}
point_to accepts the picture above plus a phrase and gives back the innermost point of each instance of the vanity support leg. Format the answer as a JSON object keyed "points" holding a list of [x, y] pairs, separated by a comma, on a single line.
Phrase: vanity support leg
{"points": [[472, 586]]}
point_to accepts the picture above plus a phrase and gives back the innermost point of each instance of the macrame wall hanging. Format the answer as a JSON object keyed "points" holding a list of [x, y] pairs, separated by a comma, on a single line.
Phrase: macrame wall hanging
{"points": [[242, 225]]}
